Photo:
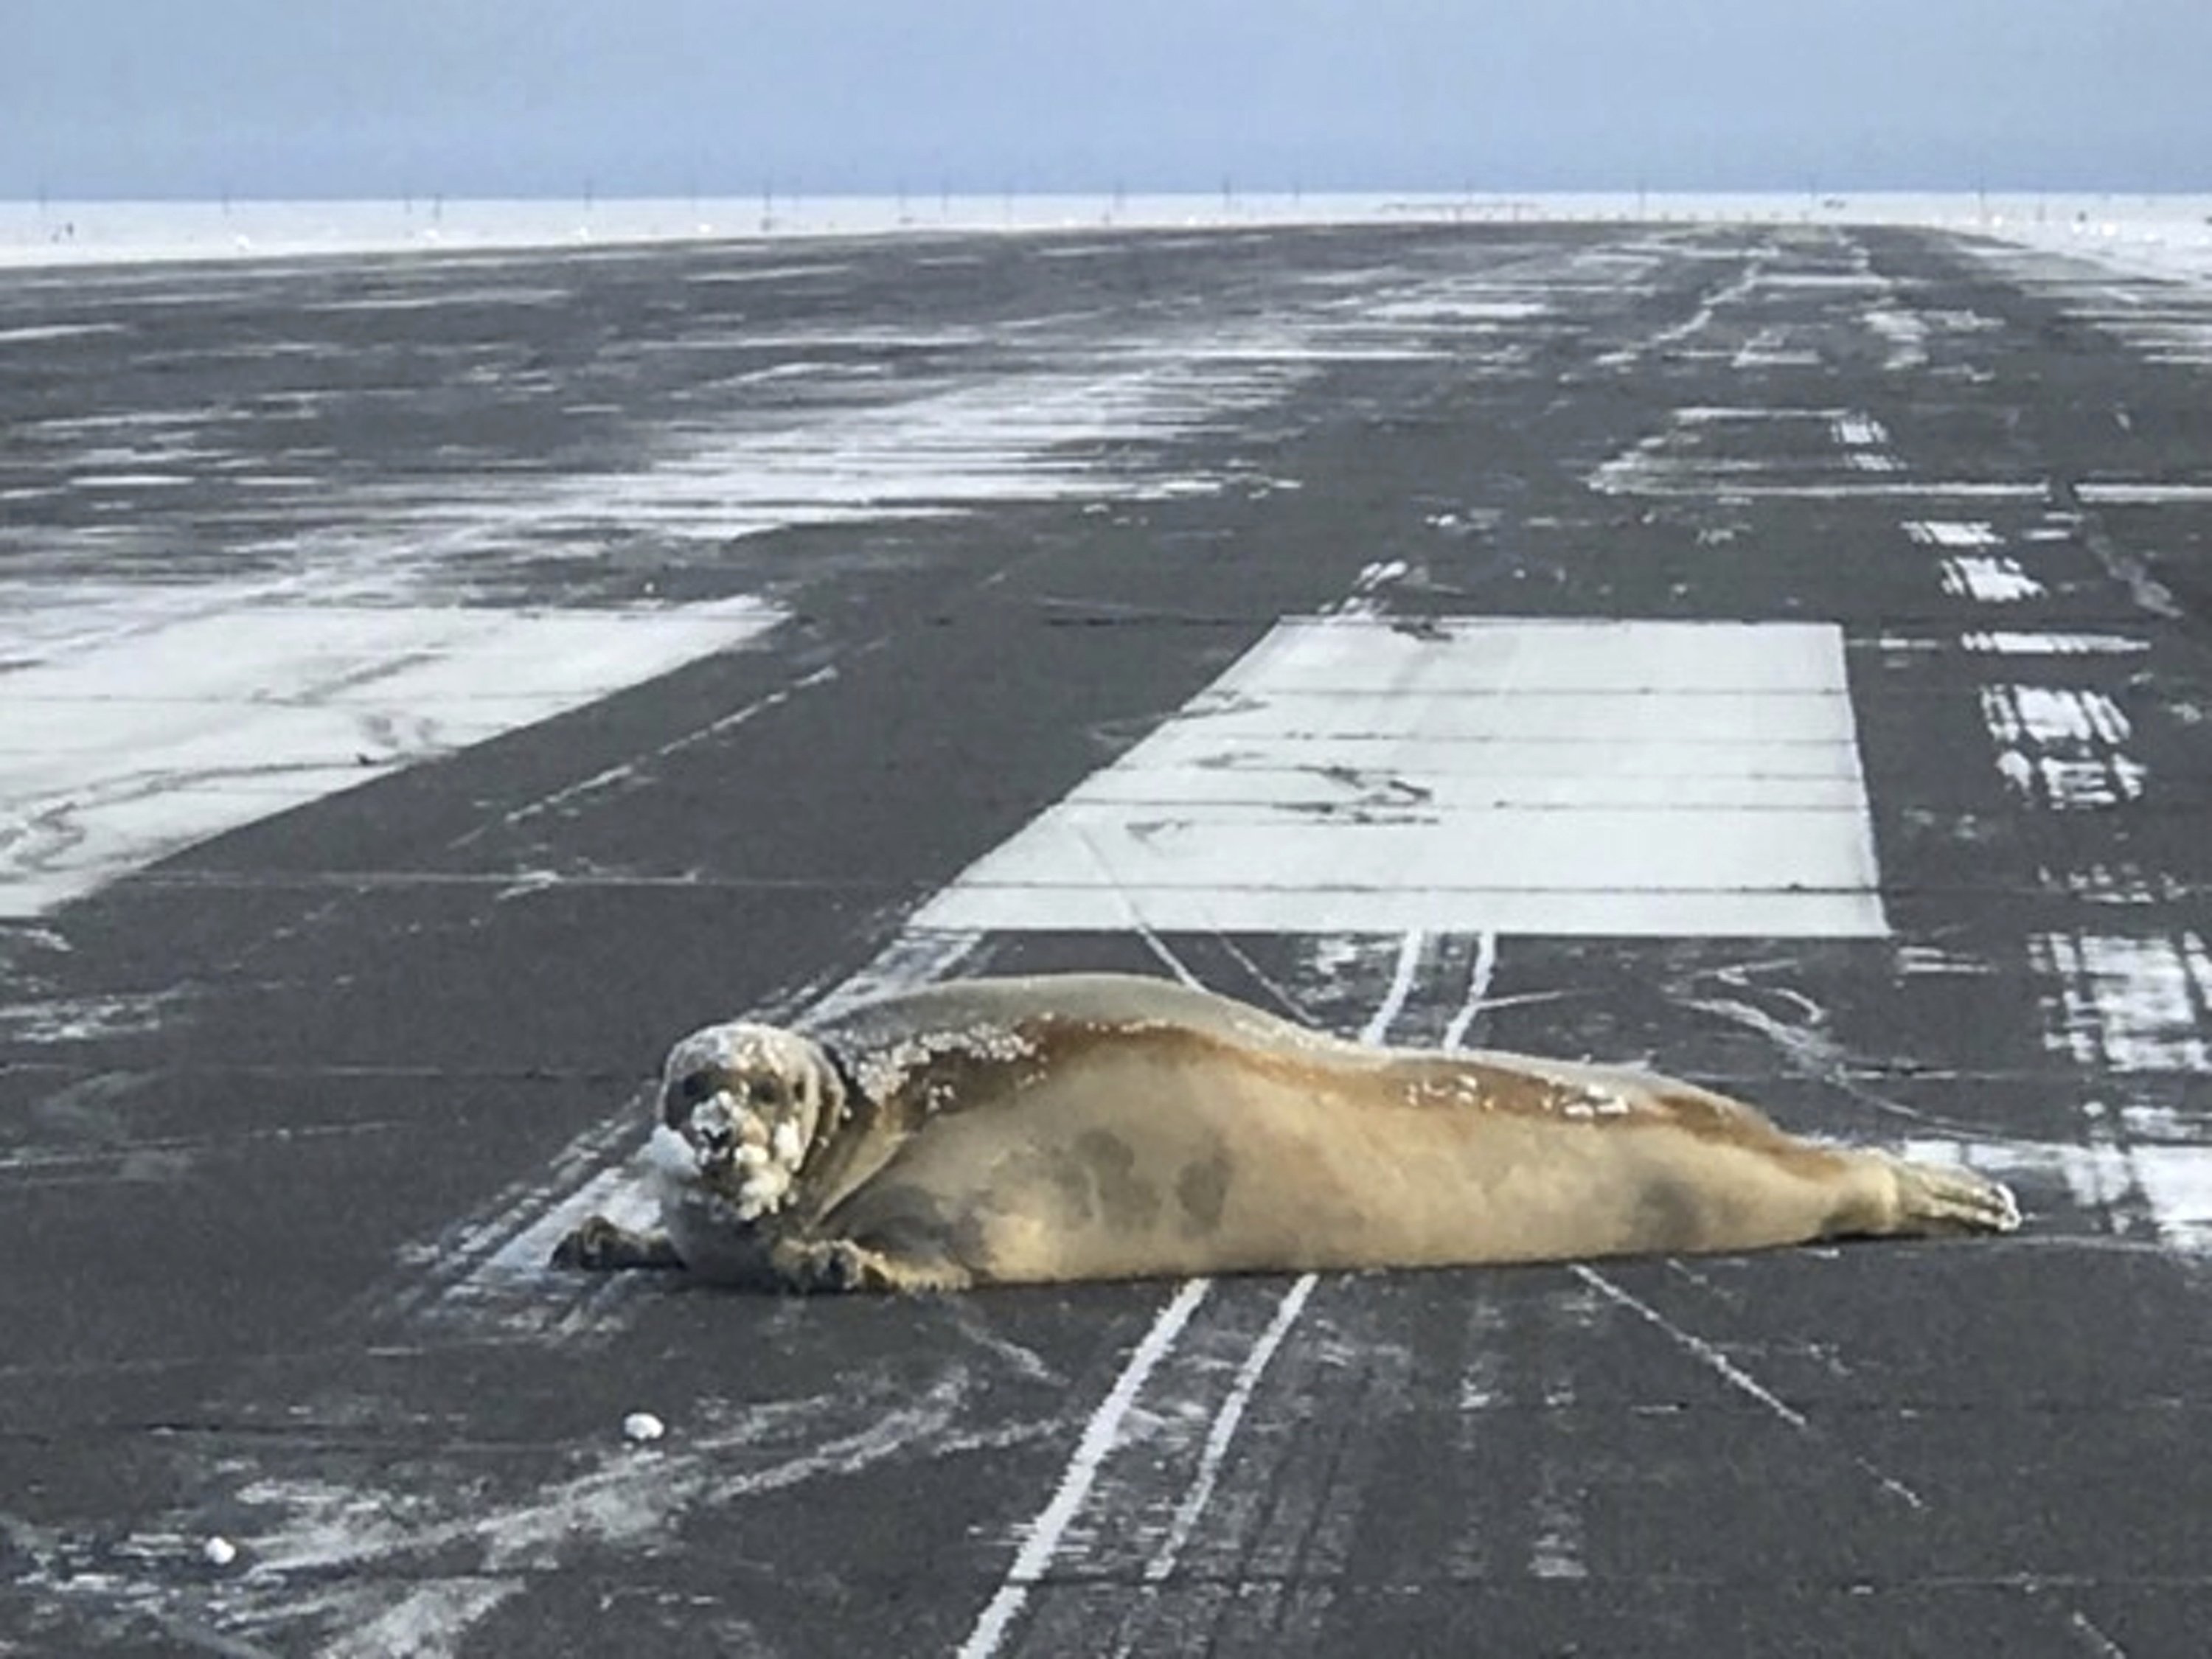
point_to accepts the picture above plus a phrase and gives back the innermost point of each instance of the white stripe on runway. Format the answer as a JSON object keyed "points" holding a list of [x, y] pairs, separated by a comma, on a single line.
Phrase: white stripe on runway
{"points": [[1100, 1434], [1497, 776], [122, 752]]}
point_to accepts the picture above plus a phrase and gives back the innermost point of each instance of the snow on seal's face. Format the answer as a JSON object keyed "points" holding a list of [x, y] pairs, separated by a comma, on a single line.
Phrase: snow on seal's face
{"points": [[746, 1099]]}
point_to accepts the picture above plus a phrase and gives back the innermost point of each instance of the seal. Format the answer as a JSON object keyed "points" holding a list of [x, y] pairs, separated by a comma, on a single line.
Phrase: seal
{"points": [[1092, 1126]]}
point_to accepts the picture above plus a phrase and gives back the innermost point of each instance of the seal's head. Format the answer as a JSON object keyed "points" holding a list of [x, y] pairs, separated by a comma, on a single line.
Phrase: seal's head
{"points": [[748, 1100]]}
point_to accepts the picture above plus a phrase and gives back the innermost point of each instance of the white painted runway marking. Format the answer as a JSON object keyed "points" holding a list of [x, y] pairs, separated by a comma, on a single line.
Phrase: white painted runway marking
{"points": [[1993, 579], [1477, 993], [1903, 335], [2054, 717], [2114, 493], [1515, 776], [2128, 1003], [1864, 441], [127, 750], [1102, 1433], [1378, 1028], [1708, 450], [2002, 643], [104, 768], [1043, 1541], [1840, 489], [1953, 533], [2118, 1005], [2062, 748], [1223, 1432]]}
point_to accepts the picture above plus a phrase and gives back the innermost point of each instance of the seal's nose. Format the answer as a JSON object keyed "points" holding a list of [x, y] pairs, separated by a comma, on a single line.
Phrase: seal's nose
{"points": [[680, 1098]]}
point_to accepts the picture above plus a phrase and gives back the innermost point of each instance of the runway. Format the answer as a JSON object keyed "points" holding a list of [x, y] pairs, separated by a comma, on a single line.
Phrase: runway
{"points": [[429, 685]]}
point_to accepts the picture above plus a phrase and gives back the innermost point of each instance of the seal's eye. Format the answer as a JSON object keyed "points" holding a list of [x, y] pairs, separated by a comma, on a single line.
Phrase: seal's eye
{"points": [[765, 1092], [694, 1088]]}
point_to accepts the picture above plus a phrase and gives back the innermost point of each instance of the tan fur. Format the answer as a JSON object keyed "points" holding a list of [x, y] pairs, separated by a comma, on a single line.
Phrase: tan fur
{"points": [[1095, 1127]]}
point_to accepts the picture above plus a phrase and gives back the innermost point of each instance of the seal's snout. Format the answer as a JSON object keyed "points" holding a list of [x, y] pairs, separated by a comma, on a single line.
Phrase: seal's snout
{"points": [[681, 1098], [712, 1126], [711, 1111]]}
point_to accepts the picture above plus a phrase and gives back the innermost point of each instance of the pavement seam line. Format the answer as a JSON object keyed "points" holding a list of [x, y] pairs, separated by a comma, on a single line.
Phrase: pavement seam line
{"points": [[1710, 1357]]}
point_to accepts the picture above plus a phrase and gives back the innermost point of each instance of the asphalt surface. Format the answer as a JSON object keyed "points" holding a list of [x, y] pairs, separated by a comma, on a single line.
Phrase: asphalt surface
{"points": [[287, 1117]]}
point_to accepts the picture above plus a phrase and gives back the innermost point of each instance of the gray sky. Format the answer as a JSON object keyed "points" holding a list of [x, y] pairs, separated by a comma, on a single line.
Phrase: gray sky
{"points": [[636, 97]]}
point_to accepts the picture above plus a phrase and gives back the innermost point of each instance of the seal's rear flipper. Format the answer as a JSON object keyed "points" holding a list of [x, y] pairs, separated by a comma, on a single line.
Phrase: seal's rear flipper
{"points": [[1934, 1200]]}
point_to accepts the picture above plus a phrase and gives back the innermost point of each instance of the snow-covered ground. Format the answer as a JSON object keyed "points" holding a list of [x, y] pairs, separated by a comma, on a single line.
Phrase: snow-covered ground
{"points": [[2154, 234], [2149, 236]]}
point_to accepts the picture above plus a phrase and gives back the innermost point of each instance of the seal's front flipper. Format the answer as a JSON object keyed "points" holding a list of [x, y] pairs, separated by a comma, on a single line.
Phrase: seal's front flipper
{"points": [[816, 1265], [600, 1246]]}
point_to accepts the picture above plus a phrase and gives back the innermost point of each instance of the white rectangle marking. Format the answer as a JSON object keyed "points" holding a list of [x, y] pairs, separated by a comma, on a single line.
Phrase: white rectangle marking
{"points": [[1524, 776], [1953, 533], [2003, 644], [2143, 494], [2058, 719], [1856, 431], [2127, 1003], [1440, 717], [1991, 579], [135, 746], [1347, 788]]}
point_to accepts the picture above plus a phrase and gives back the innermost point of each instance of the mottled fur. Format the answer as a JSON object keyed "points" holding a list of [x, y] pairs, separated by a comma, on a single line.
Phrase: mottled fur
{"points": [[1104, 1127]]}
